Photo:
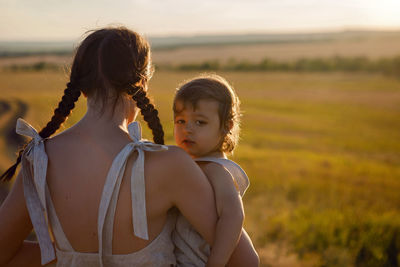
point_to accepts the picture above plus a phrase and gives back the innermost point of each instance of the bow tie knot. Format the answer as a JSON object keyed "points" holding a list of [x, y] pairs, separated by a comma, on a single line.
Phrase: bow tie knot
{"points": [[25, 129], [135, 132]]}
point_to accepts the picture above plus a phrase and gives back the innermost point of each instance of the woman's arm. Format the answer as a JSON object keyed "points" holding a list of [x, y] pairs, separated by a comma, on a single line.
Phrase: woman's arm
{"points": [[190, 191], [28, 256], [15, 225], [230, 213]]}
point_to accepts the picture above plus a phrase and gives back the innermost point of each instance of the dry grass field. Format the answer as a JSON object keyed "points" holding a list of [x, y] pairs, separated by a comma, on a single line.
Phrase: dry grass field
{"points": [[373, 47], [322, 152]]}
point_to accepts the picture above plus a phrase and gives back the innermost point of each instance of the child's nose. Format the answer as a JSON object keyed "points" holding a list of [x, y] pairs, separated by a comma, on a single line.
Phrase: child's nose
{"points": [[189, 127]]}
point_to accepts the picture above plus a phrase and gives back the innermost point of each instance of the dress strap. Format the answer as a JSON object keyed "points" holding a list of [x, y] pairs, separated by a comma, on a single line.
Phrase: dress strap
{"points": [[35, 188], [239, 175], [111, 189]]}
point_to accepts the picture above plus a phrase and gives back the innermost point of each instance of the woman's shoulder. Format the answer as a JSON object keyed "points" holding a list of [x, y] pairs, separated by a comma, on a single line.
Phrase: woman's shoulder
{"points": [[171, 158], [174, 164]]}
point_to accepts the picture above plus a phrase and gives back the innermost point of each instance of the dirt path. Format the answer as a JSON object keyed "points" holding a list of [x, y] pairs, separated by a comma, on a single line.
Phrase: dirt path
{"points": [[10, 111], [10, 141]]}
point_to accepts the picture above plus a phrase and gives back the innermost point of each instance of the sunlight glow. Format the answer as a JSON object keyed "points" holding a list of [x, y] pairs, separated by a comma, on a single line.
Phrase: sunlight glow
{"points": [[61, 20]]}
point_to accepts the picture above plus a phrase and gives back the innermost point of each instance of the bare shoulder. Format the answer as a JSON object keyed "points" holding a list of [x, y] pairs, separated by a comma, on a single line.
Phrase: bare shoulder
{"points": [[214, 170], [174, 164], [180, 178], [170, 159], [62, 142], [221, 179]]}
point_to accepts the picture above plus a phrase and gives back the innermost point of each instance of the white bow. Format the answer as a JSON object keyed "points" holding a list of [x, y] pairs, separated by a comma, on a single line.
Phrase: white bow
{"points": [[140, 222], [112, 185], [35, 190]]}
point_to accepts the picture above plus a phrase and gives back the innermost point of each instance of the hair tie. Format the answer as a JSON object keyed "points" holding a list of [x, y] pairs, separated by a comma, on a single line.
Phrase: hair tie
{"points": [[133, 90]]}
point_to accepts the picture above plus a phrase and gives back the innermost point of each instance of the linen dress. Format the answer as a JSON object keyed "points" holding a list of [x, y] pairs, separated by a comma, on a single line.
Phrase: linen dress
{"points": [[42, 213]]}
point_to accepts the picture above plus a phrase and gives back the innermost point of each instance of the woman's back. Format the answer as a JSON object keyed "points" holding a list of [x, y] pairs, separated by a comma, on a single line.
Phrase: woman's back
{"points": [[136, 247], [79, 161]]}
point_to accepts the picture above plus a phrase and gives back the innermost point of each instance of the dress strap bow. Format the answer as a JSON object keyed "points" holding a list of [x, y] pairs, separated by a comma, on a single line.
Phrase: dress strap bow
{"points": [[137, 180], [35, 189], [25, 129], [111, 190]]}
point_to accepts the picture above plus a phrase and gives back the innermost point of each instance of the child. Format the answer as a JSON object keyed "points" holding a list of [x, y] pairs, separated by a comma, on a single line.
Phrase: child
{"points": [[206, 126]]}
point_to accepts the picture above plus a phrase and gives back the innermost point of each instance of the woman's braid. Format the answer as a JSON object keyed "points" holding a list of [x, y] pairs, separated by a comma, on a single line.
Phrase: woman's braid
{"points": [[149, 113], [9, 173], [61, 113], [63, 110]]}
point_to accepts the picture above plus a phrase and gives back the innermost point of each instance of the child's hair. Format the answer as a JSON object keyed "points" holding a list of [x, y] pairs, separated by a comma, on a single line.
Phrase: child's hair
{"points": [[214, 87], [108, 64]]}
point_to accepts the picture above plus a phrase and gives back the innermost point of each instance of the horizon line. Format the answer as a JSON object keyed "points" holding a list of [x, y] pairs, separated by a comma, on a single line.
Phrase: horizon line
{"points": [[393, 29]]}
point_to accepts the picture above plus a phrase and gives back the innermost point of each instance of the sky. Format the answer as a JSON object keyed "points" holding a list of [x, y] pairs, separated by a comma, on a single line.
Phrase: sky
{"points": [[62, 20]]}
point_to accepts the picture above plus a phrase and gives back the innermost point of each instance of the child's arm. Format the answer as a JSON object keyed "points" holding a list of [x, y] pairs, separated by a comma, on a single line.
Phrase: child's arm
{"points": [[230, 212], [244, 253]]}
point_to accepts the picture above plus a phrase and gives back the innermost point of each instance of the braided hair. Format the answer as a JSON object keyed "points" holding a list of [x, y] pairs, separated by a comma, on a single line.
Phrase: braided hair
{"points": [[149, 113], [62, 112], [108, 62]]}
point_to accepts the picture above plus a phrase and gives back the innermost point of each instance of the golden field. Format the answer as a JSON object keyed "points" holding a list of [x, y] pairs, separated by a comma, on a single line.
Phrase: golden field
{"points": [[322, 152]]}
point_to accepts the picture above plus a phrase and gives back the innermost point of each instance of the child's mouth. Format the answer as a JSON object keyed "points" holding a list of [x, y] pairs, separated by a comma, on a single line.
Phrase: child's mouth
{"points": [[188, 142]]}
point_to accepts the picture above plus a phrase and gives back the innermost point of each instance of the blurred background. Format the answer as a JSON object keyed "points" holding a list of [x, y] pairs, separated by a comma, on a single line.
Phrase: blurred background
{"points": [[320, 91]]}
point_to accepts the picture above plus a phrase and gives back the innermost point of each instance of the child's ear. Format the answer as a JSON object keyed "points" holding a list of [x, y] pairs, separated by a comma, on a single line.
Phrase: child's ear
{"points": [[228, 126]]}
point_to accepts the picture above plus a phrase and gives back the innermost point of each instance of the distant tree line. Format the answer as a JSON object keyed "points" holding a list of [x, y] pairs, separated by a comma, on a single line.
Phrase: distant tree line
{"points": [[38, 66], [13, 54], [390, 66]]}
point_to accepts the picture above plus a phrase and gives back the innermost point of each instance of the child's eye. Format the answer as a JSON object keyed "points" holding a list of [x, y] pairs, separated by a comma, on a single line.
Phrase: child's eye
{"points": [[179, 121], [199, 122]]}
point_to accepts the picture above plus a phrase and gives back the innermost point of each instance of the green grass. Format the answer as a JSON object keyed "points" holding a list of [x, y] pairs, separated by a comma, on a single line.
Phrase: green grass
{"points": [[322, 152]]}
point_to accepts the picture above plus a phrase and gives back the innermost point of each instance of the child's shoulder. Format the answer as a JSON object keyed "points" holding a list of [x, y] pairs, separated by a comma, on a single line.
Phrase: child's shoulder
{"points": [[214, 166]]}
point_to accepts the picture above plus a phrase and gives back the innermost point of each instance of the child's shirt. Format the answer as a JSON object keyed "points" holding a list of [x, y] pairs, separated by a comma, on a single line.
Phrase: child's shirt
{"points": [[190, 248]]}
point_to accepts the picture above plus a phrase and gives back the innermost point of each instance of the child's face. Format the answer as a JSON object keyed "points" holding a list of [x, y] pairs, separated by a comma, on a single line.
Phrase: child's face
{"points": [[197, 131]]}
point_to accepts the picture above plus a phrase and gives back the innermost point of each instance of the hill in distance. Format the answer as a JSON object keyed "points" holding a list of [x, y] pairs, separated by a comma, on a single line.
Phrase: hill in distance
{"points": [[25, 48]]}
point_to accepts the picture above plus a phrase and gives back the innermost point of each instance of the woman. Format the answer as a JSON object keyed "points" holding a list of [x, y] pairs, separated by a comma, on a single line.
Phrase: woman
{"points": [[106, 195]]}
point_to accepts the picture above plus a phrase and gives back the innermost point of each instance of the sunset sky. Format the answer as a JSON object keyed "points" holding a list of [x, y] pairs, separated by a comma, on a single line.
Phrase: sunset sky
{"points": [[52, 20]]}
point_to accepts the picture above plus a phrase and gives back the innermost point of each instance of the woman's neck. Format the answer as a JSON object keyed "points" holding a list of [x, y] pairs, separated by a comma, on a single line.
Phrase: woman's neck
{"points": [[108, 116]]}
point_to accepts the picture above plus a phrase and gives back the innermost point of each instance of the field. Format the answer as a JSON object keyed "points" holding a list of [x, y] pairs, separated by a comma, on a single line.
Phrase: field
{"points": [[375, 46], [322, 151]]}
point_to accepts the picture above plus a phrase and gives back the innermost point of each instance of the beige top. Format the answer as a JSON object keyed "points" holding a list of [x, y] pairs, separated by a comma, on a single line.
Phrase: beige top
{"points": [[42, 213], [190, 248]]}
